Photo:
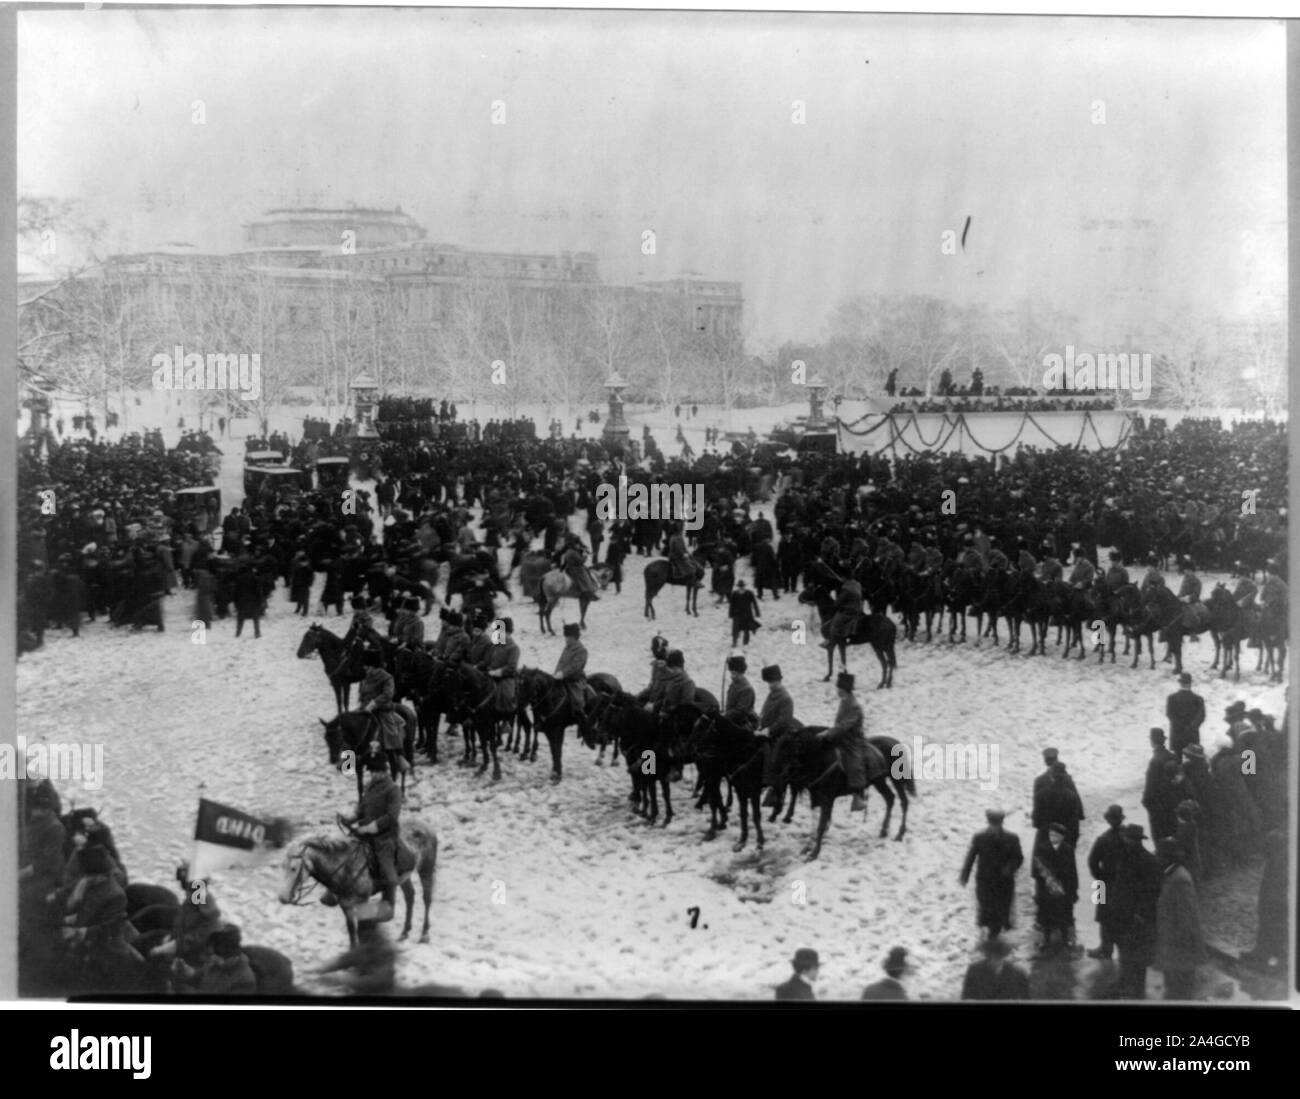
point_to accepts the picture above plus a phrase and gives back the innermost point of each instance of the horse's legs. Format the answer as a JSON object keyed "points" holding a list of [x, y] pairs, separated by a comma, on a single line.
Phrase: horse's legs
{"points": [[494, 736], [900, 785], [408, 895], [555, 736], [789, 813], [823, 822], [668, 800], [349, 917], [882, 784]]}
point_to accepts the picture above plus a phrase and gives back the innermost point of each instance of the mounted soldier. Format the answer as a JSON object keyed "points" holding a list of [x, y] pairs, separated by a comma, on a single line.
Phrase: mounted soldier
{"points": [[738, 708], [375, 695], [362, 630], [1116, 574], [1153, 578], [1084, 572], [776, 719], [850, 740], [377, 824], [576, 570], [848, 611], [679, 560], [454, 644], [407, 629], [1273, 591], [503, 667], [571, 670], [1025, 563], [480, 645], [1050, 570], [1189, 591], [969, 558], [998, 561], [653, 694]]}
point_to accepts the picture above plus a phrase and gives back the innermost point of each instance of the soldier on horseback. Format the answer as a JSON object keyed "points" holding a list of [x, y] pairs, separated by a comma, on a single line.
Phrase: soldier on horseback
{"points": [[453, 646], [1190, 590], [849, 740], [376, 697], [362, 630], [376, 822], [571, 671], [1273, 591], [407, 630], [848, 611], [775, 721], [1084, 572], [653, 694], [998, 561], [480, 645], [1116, 575], [679, 560], [1050, 570], [1153, 578], [969, 559], [738, 708], [503, 667], [576, 570]]}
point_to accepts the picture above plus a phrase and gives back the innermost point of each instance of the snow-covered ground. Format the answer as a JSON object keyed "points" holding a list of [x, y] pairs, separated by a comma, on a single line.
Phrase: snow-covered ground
{"points": [[595, 900]]}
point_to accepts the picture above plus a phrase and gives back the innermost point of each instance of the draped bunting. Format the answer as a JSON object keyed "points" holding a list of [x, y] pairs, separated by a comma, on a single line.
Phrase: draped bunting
{"points": [[986, 433]]}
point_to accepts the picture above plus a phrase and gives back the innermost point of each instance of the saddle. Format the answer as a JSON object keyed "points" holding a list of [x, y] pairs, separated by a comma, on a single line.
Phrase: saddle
{"points": [[1196, 618], [404, 858]]}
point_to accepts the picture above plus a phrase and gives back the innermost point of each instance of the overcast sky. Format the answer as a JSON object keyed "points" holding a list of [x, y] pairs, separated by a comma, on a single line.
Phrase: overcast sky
{"points": [[682, 123]]}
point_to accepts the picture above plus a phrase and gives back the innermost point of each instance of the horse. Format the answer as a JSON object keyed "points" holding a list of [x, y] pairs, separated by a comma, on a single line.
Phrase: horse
{"points": [[598, 733], [1137, 622], [341, 661], [342, 867], [647, 747], [354, 732], [1175, 620], [1228, 628], [474, 692], [874, 629], [1266, 628], [558, 584], [411, 671], [730, 751], [959, 591], [1070, 608], [804, 758], [660, 572], [552, 712]]}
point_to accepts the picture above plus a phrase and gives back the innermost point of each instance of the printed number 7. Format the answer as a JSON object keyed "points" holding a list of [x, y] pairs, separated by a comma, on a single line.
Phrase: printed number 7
{"points": [[694, 914]]}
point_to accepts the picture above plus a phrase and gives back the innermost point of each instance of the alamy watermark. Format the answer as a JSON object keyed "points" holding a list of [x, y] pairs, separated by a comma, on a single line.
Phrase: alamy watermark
{"points": [[83, 763], [961, 761], [235, 373], [1075, 372], [624, 501]]}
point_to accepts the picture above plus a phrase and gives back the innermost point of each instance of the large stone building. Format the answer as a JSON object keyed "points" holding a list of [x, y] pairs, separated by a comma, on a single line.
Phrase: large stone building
{"points": [[336, 276]]}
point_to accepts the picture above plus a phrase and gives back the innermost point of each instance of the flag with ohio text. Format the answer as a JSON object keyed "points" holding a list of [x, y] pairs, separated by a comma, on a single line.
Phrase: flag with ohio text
{"points": [[226, 837]]}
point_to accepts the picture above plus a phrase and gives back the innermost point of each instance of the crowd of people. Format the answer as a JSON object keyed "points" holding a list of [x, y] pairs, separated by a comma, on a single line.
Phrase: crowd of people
{"points": [[82, 926], [119, 541], [1205, 816]]}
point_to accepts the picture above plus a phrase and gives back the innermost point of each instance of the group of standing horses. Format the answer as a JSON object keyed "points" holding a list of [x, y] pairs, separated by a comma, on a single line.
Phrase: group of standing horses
{"points": [[1093, 614]]}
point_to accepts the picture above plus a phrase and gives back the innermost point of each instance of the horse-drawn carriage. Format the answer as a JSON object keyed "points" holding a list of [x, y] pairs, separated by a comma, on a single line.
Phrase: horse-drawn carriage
{"points": [[199, 505], [332, 472], [285, 481]]}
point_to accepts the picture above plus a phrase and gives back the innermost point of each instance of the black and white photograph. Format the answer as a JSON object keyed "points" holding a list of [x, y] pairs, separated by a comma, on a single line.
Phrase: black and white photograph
{"points": [[661, 505]]}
